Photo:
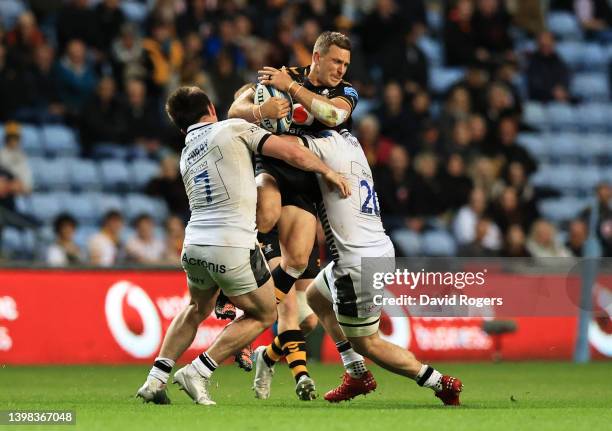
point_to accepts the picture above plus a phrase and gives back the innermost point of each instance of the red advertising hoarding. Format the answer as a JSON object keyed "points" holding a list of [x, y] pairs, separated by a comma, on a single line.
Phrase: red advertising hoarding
{"points": [[113, 317]]}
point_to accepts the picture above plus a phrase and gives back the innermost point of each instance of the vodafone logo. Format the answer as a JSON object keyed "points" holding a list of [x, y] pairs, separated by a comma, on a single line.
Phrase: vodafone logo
{"points": [[395, 324], [301, 116], [133, 319], [599, 337]]}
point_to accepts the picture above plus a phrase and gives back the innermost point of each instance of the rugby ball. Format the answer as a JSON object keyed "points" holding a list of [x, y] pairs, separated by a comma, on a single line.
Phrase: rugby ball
{"points": [[263, 93]]}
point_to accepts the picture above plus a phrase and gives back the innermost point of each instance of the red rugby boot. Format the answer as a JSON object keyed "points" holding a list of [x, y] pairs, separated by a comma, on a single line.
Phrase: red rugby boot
{"points": [[451, 388], [351, 387]]}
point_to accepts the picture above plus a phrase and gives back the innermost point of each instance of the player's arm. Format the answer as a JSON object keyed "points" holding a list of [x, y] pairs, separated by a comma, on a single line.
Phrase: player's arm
{"points": [[331, 112], [243, 107], [289, 150]]}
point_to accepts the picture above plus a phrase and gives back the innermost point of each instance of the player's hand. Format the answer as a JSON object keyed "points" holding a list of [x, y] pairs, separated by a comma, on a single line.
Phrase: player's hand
{"points": [[336, 180], [275, 108], [278, 79]]}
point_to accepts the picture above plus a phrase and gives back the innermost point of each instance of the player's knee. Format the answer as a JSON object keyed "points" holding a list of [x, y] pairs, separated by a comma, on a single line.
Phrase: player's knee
{"points": [[268, 318], [313, 297], [195, 313], [309, 323]]}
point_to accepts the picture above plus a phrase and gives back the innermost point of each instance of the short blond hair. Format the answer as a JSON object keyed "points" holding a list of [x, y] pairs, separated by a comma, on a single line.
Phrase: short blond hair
{"points": [[329, 38]]}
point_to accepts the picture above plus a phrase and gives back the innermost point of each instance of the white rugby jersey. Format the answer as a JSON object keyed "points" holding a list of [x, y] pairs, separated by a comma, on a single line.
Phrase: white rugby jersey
{"points": [[353, 228], [218, 175]]}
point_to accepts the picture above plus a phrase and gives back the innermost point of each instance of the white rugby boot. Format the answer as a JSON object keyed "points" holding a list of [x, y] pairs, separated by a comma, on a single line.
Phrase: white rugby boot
{"points": [[153, 391], [263, 375], [305, 389], [196, 386]]}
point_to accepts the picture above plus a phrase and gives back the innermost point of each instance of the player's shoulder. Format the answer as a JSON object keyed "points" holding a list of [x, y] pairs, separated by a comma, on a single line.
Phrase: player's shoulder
{"points": [[298, 73]]}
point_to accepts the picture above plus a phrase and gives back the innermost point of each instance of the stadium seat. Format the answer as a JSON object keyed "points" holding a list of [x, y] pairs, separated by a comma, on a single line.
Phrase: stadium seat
{"points": [[594, 147], [561, 209], [137, 204], [408, 242], [563, 178], [587, 179], [564, 25], [541, 178], [134, 10], [9, 12], [534, 114], [18, 243], [441, 79], [50, 174], [590, 86], [594, 117], [110, 151], [572, 53], [83, 207], [114, 174], [31, 140], [561, 116], [433, 51], [108, 201], [564, 147], [83, 175], [594, 57], [60, 140], [83, 234], [143, 171], [536, 144], [439, 243], [46, 206]]}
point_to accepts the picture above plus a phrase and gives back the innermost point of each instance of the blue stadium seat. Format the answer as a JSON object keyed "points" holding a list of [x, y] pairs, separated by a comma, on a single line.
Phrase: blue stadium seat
{"points": [[83, 207], [564, 25], [594, 146], [435, 19], [83, 234], [439, 243], [31, 140], [561, 116], [534, 114], [143, 171], [591, 86], [134, 11], [18, 244], [109, 150], [594, 57], [108, 201], [587, 179], [441, 79], [9, 12], [433, 51], [563, 178], [564, 147], [60, 140], [536, 144], [561, 209], [408, 242], [83, 175], [136, 204], [541, 178], [606, 175], [572, 53], [114, 174], [594, 117], [46, 206], [50, 174]]}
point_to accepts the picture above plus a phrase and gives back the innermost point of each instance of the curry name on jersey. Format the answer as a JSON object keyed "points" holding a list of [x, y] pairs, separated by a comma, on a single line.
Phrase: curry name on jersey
{"points": [[220, 184]]}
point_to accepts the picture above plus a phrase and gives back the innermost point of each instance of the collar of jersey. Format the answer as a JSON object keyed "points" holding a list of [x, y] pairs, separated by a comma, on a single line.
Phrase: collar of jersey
{"points": [[197, 126]]}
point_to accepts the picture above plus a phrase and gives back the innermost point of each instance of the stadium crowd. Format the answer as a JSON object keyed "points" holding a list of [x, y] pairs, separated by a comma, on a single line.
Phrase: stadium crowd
{"points": [[451, 177]]}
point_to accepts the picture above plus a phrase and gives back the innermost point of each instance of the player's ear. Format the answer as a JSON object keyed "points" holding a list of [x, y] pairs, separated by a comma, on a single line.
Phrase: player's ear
{"points": [[212, 111], [316, 58]]}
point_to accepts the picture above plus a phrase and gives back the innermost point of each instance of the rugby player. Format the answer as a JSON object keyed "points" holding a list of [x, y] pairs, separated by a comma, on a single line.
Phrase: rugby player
{"points": [[287, 196], [220, 249], [353, 230]]}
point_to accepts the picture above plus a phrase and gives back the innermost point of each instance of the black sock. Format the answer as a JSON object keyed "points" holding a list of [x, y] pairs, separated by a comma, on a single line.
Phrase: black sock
{"points": [[283, 283]]}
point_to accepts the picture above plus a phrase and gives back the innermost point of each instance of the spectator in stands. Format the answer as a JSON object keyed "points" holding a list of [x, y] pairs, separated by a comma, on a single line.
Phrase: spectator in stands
{"points": [[192, 70], [76, 78], [105, 247], [163, 57], [102, 119], [144, 247], [475, 82], [195, 19], [76, 20], [547, 73], [23, 41], [14, 160], [456, 108], [394, 117], [509, 151], [64, 251], [464, 225], [381, 31], [543, 242], [408, 65], [302, 47], [595, 16], [460, 140], [140, 115], [175, 235], [478, 246], [604, 217], [508, 211], [427, 192], [457, 184], [109, 19], [500, 103], [169, 186], [10, 85], [515, 243], [226, 80], [126, 55], [479, 133], [577, 236], [377, 148], [459, 36], [491, 24], [40, 99]]}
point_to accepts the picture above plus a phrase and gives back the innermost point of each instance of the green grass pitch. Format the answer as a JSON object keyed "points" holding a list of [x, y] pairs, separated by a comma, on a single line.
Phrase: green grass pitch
{"points": [[508, 396]]}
